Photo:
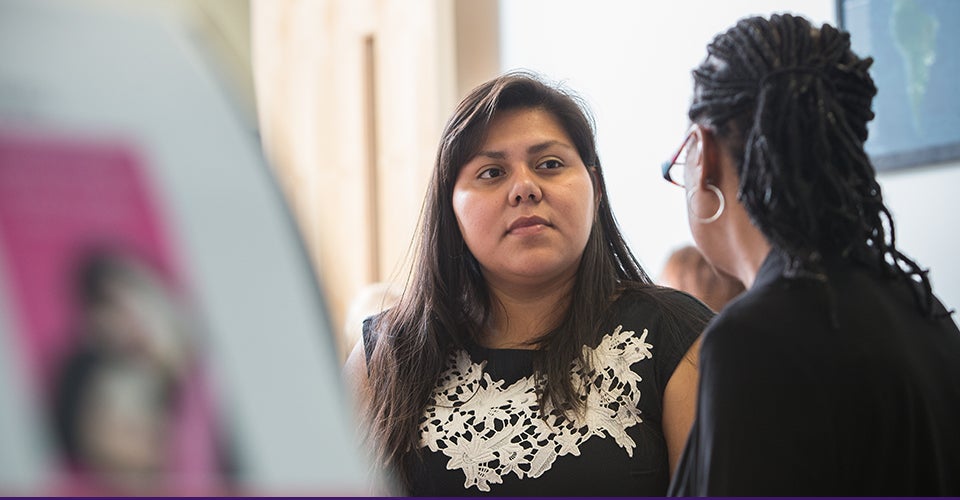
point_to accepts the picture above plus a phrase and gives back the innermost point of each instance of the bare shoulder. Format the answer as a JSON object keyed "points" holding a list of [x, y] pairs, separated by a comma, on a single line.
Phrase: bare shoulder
{"points": [[683, 382], [680, 403], [355, 374]]}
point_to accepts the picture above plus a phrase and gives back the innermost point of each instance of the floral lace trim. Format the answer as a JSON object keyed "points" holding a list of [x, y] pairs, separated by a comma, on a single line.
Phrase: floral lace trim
{"points": [[490, 431]]}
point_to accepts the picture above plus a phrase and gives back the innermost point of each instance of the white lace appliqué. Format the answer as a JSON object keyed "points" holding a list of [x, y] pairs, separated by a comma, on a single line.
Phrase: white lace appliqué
{"points": [[490, 431]]}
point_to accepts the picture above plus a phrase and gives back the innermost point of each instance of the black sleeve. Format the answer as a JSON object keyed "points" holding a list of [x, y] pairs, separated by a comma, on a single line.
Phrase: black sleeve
{"points": [[683, 319], [667, 320], [760, 420]]}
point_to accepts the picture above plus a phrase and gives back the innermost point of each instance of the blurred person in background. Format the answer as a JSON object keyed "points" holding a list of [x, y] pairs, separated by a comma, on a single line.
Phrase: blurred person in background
{"points": [[837, 372], [530, 353], [124, 385], [688, 271]]}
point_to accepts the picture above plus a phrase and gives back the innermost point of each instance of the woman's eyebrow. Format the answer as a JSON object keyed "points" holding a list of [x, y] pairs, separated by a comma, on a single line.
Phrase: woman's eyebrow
{"points": [[539, 148], [532, 150], [493, 155]]}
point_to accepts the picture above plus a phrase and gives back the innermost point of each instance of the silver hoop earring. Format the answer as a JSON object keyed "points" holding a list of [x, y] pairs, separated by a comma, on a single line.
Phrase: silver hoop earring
{"points": [[716, 215]]}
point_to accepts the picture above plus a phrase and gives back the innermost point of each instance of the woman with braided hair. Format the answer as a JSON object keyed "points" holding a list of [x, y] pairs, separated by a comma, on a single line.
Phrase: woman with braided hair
{"points": [[837, 372]]}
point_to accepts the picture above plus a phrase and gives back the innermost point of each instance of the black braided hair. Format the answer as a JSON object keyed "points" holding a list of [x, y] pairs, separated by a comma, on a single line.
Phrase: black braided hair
{"points": [[791, 103]]}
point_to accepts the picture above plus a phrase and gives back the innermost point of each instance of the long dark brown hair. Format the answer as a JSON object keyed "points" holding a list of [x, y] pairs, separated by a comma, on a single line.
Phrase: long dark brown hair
{"points": [[446, 301], [791, 102]]}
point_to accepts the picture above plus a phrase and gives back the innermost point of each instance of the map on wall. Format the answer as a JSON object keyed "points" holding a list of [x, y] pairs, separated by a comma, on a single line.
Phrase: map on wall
{"points": [[916, 50]]}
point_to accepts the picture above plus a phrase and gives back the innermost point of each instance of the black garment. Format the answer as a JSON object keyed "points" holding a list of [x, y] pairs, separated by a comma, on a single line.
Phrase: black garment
{"points": [[789, 405], [484, 434]]}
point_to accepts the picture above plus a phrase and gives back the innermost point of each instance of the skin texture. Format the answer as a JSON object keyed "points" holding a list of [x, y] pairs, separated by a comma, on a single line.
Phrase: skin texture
{"points": [[680, 404], [687, 270], [731, 243], [525, 206]]}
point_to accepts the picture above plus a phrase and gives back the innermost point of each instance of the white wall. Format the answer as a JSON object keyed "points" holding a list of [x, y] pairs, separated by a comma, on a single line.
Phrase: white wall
{"points": [[925, 206], [631, 61]]}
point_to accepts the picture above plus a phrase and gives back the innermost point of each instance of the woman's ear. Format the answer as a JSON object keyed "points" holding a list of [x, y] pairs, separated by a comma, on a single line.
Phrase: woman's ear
{"points": [[708, 157]]}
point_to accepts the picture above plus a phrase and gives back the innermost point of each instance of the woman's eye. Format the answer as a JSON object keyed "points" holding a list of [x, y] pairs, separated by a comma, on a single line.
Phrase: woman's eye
{"points": [[550, 164], [492, 172]]}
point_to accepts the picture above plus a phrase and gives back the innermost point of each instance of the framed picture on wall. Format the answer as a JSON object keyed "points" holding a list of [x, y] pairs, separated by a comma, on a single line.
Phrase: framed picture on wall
{"points": [[915, 45]]}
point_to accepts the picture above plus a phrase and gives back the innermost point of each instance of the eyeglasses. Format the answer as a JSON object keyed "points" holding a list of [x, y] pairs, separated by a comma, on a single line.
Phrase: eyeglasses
{"points": [[674, 175]]}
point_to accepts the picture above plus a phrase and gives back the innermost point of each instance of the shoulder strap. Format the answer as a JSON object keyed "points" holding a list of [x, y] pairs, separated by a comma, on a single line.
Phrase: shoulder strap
{"points": [[369, 339]]}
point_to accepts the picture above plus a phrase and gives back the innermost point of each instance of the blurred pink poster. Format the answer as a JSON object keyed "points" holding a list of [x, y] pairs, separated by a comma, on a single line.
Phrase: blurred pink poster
{"points": [[102, 311]]}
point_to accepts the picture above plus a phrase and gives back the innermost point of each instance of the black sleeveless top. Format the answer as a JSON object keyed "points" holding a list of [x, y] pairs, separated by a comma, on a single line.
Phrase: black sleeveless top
{"points": [[484, 433]]}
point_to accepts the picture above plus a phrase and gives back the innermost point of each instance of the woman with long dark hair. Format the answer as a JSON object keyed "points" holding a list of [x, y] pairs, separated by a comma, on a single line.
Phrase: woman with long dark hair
{"points": [[529, 354], [837, 372]]}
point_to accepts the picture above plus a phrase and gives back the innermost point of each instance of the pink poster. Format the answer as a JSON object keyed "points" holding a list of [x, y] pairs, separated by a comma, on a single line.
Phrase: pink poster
{"points": [[103, 316]]}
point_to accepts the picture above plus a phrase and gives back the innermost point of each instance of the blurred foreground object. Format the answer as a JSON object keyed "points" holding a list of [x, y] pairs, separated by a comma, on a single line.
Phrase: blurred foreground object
{"points": [[158, 317], [100, 316]]}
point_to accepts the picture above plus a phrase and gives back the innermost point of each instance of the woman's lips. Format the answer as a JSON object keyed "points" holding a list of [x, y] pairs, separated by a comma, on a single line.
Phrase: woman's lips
{"points": [[527, 225]]}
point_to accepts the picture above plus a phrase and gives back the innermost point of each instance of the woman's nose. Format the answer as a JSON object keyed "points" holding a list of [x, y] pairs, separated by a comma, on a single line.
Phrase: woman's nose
{"points": [[525, 188]]}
